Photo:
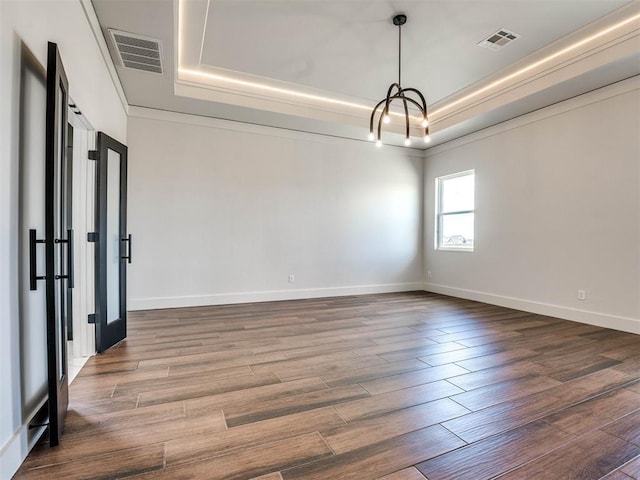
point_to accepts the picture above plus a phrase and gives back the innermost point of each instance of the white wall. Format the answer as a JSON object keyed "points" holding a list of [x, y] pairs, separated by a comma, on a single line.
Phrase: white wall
{"points": [[557, 210], [223, 212], [35, 23]]}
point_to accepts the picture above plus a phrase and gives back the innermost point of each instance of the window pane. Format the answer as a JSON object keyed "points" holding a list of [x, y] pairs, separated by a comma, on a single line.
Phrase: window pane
{"points": [[457, 193], [457, 230]]}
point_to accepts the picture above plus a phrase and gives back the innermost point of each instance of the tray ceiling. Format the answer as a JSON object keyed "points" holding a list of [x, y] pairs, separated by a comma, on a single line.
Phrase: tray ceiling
{"points": [[320, 65]]}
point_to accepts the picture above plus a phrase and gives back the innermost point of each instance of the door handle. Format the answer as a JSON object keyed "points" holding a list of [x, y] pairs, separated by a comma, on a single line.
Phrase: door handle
{"points": [[33, 264], [70, 260], [129, 241]]}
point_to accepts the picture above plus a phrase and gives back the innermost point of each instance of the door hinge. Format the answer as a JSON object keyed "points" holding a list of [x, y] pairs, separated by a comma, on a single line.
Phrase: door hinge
{"points": [[93, 155], [92, 237], [91, 318]]}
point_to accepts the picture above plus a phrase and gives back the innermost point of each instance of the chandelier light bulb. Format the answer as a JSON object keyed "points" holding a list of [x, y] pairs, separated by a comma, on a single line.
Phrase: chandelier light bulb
{"points": [[407, 142], [427, 139], [386, 118], [379, 143], [371, 137], [425, 123]]}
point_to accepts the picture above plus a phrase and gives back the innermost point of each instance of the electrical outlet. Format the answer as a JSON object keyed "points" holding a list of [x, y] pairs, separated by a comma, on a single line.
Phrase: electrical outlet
{"points": [[582, 295], [292, 279], [428, 273]]}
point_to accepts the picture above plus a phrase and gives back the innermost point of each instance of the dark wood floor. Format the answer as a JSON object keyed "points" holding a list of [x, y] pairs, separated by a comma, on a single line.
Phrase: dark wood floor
{"points": [[401, 386]]}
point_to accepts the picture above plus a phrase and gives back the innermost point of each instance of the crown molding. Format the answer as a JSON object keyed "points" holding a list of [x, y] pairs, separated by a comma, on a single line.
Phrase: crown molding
{"points": [[609, 91], [265, 130]]}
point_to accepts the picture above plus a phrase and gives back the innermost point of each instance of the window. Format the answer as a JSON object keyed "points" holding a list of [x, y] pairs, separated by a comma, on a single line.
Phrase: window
{"points": [[455, 211]]}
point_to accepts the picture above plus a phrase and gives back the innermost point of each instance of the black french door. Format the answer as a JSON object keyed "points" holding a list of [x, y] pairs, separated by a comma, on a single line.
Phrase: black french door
{"points": [[113, 248], [58, 241]]}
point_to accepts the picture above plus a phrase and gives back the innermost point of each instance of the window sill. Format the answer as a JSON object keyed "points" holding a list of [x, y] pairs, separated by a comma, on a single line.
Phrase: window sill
{"points": [[455, 249]]}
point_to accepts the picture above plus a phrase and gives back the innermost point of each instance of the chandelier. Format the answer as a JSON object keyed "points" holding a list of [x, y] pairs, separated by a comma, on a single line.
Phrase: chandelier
{"points": [[405, 95]]}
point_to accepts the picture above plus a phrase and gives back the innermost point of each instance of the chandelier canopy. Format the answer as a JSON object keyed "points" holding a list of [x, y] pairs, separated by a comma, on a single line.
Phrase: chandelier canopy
{"points": [[407, 96]]}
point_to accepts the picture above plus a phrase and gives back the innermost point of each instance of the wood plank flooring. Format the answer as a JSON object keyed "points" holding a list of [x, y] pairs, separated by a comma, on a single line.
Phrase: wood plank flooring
{"points": [[404, 386]]}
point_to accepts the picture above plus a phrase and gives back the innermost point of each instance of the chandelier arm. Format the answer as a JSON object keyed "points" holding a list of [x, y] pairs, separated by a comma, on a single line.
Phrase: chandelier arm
{"points": [[391, 87], [417, 92], [418, 106], [404, 99], [391, 96], [373, 113], [406, 116], [401, 97], [379, 128]]}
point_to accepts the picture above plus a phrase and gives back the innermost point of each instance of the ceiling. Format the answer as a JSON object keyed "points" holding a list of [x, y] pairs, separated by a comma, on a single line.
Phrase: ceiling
{"points": [[321, 65]]}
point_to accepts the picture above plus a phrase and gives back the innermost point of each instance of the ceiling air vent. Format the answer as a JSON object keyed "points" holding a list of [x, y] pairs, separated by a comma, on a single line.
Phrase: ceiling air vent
{"points": [[499, 39], [138, 52]]}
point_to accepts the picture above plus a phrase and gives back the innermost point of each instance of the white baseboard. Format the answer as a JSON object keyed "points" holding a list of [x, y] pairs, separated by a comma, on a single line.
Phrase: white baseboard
{"points": [[267, 296], [75, 365], [625, 324], [14, 452]]}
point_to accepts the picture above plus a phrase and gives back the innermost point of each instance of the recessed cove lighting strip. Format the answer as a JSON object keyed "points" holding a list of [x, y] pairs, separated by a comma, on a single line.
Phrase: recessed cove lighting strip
{"points": [[207, 78]]}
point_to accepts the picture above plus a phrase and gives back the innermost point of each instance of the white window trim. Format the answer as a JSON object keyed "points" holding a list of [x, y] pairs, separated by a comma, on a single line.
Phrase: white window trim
{"points": [[438, 214]]}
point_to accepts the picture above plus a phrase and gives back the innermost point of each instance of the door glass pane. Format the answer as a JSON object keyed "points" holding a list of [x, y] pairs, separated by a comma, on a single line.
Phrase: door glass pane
{"points": [[58, 202], [113, 236], [33, 320]]}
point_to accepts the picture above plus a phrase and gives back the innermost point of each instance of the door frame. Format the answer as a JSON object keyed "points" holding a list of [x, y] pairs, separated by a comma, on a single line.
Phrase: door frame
{"points": [[84, 192]]}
